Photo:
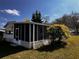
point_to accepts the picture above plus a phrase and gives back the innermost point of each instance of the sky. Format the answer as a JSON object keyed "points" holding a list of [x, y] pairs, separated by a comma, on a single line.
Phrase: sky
{"points": [[18, 10]]}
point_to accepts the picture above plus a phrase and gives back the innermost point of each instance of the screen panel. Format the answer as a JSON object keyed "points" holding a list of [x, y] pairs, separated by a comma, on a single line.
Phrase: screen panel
{"points": [[26, 32]]}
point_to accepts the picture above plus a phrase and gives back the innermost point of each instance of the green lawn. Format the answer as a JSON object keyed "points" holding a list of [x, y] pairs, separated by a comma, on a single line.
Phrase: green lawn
{"points": [[70, 51]]}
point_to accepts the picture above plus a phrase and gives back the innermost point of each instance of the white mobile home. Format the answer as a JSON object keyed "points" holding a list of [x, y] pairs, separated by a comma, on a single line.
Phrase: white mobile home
{"points": [[27, 34]]}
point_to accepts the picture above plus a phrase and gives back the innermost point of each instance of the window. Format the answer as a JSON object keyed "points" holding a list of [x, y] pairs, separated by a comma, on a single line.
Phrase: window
{"points": [[40, 32], [21, 32], [9, 32], [36, 32], [16, 31], [27, 32], [31, 32], [46, 35]]}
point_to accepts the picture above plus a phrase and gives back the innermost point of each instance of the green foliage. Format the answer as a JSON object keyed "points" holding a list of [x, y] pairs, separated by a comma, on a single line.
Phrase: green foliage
{"points": [[36, 17], [64, 29]]}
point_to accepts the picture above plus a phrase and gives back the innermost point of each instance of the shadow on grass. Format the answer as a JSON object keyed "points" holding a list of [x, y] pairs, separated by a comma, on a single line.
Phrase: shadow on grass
{"points": [[53, 46], [6, 49]]}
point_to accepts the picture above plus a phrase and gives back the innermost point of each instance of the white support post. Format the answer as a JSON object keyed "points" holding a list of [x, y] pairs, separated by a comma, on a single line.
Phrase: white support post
{"points": [[33, 36], [30, 35], [14, 33]]}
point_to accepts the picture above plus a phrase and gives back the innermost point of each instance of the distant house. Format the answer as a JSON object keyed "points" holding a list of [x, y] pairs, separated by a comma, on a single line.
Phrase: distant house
{"points": [[27, 34], [2, 31], [9, 30]]}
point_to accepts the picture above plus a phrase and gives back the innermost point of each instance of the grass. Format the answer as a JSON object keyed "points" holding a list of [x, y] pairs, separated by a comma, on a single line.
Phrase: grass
{"points": [[71, 51], [74, 40]]}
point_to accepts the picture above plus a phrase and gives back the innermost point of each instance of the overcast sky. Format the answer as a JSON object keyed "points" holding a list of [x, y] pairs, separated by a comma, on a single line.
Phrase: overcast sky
{"points": [[20, 9]]}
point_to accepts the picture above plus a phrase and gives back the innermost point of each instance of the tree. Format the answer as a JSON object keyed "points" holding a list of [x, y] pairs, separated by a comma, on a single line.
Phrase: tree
{"points": [[36, 17], [75, 23], [26, 20], [70, 21], [46, 19]]}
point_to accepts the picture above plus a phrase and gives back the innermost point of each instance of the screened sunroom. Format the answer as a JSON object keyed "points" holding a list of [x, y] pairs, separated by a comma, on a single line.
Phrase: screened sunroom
{"points": [[31, 34]]}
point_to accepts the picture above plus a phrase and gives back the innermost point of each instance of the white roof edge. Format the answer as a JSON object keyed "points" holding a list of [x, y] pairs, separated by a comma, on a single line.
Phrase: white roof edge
{"points": [[33, 23]]}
